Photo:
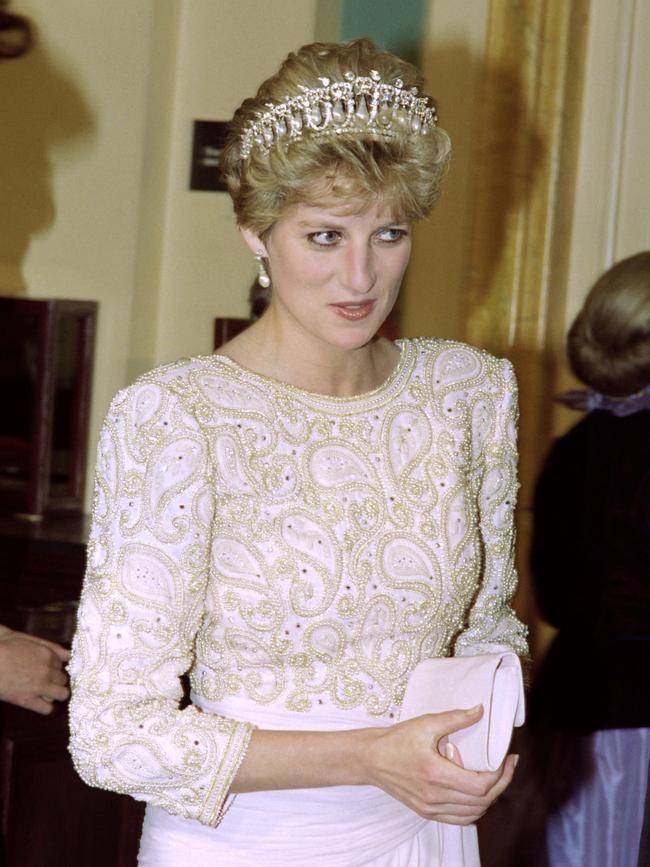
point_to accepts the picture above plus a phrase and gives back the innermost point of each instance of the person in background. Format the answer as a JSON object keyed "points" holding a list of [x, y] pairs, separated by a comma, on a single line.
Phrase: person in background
{"points": [[590, 706], [300, 519], [31, 671]]}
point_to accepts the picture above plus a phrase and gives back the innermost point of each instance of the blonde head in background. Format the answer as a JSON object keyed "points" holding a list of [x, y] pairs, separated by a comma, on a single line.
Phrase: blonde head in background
{"points": [[609, 342]]}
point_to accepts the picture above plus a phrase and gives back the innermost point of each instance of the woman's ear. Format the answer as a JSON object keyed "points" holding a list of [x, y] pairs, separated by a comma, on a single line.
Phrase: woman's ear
{"points": [[253, 241]]}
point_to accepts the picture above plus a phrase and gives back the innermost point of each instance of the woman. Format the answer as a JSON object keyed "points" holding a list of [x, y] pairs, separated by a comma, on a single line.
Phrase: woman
{"points": [[300, 519], [590, 706]]}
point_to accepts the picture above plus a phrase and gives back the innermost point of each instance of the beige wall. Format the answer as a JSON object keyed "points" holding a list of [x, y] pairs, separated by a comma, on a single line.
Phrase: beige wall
{"points": [[549, 184], [224, 50], [94, 175], [610, 218], [612, 214], [452, 59], [76, 106]]}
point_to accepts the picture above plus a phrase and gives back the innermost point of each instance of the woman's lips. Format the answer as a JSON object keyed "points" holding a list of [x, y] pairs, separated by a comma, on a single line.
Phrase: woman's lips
{"points": [[354, 311]]}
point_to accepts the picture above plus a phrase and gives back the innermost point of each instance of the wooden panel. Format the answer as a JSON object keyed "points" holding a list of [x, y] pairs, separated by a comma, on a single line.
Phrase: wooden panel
{"points": [[43, 562], [46, 354], [49, 816]]}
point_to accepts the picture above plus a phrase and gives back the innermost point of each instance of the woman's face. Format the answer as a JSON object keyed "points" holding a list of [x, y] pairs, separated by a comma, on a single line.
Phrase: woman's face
{"points": [[335, 276]]}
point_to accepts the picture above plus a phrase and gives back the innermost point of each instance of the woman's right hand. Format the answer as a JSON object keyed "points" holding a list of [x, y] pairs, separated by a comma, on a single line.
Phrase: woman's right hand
{"points": [[414, 762]]}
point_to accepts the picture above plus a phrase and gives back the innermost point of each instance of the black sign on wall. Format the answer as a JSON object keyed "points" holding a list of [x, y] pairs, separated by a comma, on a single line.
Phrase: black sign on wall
{"points": [[207, 144]]}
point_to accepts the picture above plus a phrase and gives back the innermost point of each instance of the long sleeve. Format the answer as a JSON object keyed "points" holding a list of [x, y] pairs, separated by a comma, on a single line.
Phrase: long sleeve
{"points": [[141, 607], [492, 624]]}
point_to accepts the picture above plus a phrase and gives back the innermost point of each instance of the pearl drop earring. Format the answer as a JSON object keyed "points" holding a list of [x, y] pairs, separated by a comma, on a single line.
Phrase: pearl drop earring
{"points": [[262, 276]]}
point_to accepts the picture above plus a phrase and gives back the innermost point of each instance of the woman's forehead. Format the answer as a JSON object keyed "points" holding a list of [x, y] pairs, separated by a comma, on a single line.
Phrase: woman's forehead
{"points": [[380, 210]]}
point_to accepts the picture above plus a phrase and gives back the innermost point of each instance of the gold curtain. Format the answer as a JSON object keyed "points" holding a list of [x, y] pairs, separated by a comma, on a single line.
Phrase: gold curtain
{"points": [[525, 158]]}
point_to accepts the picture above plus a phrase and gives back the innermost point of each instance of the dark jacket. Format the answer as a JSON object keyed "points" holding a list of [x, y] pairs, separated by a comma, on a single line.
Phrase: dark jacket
{"points": [[591, 567]]}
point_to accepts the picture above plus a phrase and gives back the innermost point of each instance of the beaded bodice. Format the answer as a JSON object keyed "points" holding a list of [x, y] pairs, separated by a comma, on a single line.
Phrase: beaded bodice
{"points": [[294, 549]]}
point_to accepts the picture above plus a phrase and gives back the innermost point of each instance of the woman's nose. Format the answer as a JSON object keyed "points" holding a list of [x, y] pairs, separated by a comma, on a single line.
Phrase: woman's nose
{"points": [[359, 273]]}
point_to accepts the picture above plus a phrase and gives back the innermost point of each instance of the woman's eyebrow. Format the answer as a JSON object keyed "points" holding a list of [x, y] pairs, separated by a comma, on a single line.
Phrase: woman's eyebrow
{"points": [[326, 224], [314, 224]]}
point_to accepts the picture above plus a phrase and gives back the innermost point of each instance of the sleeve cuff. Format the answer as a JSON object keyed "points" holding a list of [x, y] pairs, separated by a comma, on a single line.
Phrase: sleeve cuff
{"points": [[215, 803]]}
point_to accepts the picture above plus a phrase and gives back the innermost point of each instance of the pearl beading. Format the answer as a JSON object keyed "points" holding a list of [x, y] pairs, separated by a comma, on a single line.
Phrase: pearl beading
{"points": [[358, 105]]}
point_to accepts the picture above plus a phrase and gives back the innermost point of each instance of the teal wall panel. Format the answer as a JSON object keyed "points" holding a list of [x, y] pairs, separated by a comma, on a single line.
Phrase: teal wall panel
{"points": [[396, 25]]}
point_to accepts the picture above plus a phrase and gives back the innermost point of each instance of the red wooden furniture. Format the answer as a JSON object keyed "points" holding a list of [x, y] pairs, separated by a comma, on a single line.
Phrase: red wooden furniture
{"points": [[48, 816], [46, 355]]}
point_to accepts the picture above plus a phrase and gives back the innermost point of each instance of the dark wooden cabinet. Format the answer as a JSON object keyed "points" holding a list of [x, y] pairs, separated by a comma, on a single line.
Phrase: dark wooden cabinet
{"points": [[49, 816], [46, 357]]}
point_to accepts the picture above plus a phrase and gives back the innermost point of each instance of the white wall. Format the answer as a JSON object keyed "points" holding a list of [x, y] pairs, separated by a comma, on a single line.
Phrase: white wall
{"points": [[612, 212]]}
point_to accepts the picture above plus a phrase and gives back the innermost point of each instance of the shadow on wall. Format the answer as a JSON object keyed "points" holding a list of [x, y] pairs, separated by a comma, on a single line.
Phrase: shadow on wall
{"points": [[40, 108], [477, 271], [431, 301], [454, 286], [507, 156]]}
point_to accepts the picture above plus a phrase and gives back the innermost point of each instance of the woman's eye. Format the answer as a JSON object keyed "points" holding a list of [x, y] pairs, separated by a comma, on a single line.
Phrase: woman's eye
{"points": [[392, 234], [326, 238]]}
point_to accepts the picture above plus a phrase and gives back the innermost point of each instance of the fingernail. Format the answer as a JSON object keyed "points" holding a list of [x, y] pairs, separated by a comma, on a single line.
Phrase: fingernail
{"points": [[449, 751], [516, 760], [472, 711]]}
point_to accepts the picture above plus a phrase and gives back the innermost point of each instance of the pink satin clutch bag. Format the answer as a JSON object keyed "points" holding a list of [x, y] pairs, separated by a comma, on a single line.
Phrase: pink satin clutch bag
{"points": [[491, 679]]}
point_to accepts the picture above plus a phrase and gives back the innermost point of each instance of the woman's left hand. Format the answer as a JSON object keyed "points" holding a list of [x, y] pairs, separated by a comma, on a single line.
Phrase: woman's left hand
{"points": [[414, 762]]}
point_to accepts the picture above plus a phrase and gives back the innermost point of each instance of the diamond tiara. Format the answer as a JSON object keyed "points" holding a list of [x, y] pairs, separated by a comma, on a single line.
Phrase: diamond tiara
{"points": [[359, 104]]}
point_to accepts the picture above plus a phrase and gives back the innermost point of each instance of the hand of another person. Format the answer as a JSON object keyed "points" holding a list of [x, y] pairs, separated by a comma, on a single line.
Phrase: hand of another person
{"points": [[414, 762], [31, 671]]}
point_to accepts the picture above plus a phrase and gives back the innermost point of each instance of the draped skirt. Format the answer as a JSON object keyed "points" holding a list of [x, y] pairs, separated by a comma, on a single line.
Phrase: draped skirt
{"points": [[339, 826]]}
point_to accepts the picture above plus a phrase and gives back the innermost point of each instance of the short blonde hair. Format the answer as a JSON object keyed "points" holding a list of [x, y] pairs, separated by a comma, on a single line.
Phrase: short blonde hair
{"points": [[609, 343], [352, 171]]}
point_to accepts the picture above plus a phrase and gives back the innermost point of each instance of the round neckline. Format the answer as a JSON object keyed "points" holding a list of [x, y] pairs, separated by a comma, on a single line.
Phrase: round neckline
{"points": [[394, 377]]}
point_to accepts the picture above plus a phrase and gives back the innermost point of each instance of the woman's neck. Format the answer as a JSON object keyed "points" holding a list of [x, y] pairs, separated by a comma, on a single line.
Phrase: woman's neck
{"points": [[311, 365]]}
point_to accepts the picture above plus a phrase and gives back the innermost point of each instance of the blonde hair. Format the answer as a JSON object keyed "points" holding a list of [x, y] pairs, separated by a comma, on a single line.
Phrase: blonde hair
{"points": [[351, 171], [609, 343]]}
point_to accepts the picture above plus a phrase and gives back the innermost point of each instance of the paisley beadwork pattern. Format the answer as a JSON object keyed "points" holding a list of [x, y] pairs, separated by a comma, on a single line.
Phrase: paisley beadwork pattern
{"points": [[295, 549]]}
